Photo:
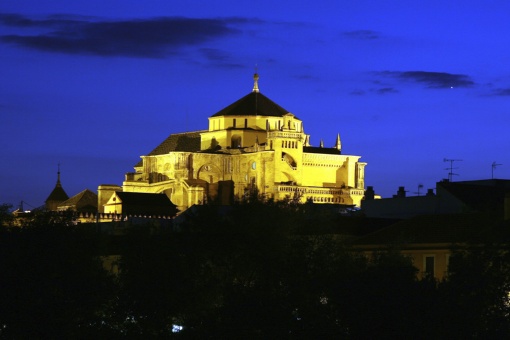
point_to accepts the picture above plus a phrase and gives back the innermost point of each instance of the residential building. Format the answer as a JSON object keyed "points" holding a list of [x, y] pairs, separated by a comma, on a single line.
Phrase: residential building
{"points": [[430, 240], [450, 198]]}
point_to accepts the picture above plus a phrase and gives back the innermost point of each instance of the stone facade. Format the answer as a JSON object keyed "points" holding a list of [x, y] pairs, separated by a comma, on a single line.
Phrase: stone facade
{"points": [[251, 144]]}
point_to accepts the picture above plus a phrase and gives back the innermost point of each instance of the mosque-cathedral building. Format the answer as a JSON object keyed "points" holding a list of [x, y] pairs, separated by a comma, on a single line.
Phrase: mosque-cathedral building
{"points": [[252, 144], [256, 146]]}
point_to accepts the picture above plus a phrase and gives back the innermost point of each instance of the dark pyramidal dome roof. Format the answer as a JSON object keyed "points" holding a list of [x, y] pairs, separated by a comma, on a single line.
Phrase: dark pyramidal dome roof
{"points": [[253, 104], [58, 194]]}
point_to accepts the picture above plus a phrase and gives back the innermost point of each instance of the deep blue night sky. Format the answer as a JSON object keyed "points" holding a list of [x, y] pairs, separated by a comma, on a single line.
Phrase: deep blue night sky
{"points": [[93, 84]]}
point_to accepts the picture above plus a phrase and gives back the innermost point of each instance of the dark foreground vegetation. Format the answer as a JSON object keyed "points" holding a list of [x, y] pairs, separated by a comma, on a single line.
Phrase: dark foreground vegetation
{"points": [[257, 271]]}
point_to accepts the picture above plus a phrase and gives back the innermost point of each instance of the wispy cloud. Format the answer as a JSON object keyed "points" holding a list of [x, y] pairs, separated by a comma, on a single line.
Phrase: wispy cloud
{"points": [[381, 91], [220, 58], [149, 38], [501, 92], [386, 90], [357, 92], [433, 80], [362, 34], [214, 54]]}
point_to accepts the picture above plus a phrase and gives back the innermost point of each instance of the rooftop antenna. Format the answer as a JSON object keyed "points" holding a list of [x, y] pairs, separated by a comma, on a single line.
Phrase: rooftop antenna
{"points": [[420, 186], [450, 173], [21, 207], [494, 165]]}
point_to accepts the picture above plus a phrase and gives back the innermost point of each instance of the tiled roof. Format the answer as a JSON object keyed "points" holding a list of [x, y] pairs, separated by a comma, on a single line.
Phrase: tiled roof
{"points": [[144, 203], [315, 149], [135, 203], [429, 229], [84, 198], [486, 195], [186, 141], [144, 199], [253, 104]]}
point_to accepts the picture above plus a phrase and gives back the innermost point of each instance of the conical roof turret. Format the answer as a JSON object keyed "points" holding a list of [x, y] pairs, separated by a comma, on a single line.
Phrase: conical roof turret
{"points": [[57, 196]]}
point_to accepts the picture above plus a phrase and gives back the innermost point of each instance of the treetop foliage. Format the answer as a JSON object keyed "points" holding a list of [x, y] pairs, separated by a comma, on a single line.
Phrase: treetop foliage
{"points": [[257, 269]]}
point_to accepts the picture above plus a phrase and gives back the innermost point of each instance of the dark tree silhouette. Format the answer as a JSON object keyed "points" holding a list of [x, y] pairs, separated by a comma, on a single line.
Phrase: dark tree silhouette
{"points": [[256, 269], [52, 282], [475, 297]]}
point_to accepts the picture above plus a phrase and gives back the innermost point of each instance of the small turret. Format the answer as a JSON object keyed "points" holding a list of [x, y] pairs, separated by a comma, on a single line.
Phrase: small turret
{"points": [[307, 140], [338, 144]]}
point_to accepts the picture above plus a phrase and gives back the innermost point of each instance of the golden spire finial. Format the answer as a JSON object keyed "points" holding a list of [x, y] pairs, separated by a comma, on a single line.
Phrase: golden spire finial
{"points": [[338, 144], [255, 81]]}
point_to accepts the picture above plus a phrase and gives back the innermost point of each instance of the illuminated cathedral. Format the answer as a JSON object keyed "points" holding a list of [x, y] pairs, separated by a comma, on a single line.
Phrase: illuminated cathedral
{"points": [[251, 146]]}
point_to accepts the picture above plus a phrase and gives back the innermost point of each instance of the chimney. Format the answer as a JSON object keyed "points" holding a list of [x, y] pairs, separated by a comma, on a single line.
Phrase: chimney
{"points": [[369, 193], [401, 193], [430, 192]]}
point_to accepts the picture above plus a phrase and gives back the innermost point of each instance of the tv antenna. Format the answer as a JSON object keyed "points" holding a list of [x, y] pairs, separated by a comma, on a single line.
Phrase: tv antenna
{"points": [[21, 206], [494, 165], [450, 173], [420, 186]]}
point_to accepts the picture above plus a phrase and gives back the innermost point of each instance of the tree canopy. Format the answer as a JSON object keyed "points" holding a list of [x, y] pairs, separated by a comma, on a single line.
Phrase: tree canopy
{"points": [[256, 269]]}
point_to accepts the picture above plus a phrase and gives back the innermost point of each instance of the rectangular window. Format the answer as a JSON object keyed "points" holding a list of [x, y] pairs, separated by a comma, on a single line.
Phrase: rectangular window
{"points": [[246, 123], [234, 122]]}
